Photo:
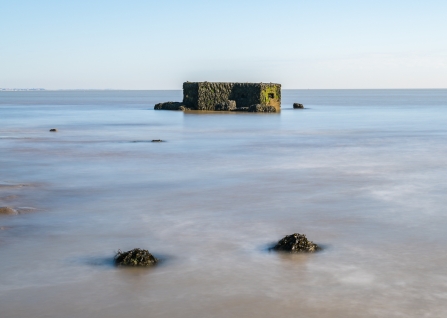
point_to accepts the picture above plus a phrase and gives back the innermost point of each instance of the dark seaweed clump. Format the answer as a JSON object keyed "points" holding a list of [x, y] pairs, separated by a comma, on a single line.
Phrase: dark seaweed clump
{"points": [[135, 257], [296, 243]]}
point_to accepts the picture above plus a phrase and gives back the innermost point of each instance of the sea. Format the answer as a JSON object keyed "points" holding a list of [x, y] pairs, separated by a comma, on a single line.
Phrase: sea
{"points": [[362, 173]]}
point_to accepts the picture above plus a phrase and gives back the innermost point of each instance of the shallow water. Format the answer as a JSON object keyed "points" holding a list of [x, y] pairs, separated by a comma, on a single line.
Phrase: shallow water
{"points": [[361, 172]]}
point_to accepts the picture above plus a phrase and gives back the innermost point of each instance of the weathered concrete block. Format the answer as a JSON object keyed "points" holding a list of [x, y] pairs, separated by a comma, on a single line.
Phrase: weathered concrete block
{"points": [[261, 109], [227, 97], [226, 106], [206, 95]]}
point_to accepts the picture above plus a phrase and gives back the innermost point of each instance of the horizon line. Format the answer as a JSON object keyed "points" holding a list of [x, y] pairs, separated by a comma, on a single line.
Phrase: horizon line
{"points": [[177, 89]]}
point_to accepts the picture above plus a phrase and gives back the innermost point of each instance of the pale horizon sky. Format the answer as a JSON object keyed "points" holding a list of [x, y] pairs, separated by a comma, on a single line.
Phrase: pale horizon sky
{"points": [[159, 45]]}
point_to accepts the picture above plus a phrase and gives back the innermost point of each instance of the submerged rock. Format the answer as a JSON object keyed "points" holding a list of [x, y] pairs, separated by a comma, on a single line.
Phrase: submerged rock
{"points": [[53, 130], [171, 106], [262, 109], [135, 257], [157, 140], [296, 243], [8, 210], [226, 106], [298, 105]]}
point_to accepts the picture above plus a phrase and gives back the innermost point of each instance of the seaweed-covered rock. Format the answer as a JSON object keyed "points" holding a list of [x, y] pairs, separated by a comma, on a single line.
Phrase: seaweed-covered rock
{"points": [[135, 257], [8, 210], [296, 243], [226, 105], [171, 106], [298, 105], [262, 109]]}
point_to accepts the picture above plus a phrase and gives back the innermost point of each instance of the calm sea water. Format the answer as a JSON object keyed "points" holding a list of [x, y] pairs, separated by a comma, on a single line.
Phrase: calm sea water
{"points": [[361, 172]]}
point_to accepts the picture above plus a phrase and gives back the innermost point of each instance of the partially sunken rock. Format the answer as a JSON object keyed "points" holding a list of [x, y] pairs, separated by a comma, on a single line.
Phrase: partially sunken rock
{"points": [[135, 257], [296, 243], [53, 130], [8, 211], [171, 106], [298, 105], [261, 109]]}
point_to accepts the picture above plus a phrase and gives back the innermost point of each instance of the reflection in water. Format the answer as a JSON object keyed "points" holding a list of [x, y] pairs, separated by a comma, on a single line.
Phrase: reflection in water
{"points": [[360, 172]]}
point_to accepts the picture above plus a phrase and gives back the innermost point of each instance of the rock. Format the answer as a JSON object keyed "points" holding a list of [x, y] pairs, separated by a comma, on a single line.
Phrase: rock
{"points": [[296, 243], [226, 106], [171, 106], [8, 211], [298, 105], [157, 140], [262, 109], [53, 130], [135, 257]]}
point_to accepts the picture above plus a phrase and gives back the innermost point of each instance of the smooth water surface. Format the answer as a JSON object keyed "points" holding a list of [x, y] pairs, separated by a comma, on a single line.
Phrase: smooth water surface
{"points": [[361, 172]]}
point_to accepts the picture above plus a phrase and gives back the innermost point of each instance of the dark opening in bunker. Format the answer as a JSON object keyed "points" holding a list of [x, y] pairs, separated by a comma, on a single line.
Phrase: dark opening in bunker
{"points": [[271, 95]]}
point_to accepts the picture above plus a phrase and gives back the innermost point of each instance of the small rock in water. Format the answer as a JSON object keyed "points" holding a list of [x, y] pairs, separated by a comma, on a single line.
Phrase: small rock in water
{"points": [[53, 130], [296, 243], [8, 210], [157, 140], [298, 105], [135, 257]]}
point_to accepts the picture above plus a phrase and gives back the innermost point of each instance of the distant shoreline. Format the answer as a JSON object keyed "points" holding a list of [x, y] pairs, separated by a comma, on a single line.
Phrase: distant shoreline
{"points": [[21, 89]]}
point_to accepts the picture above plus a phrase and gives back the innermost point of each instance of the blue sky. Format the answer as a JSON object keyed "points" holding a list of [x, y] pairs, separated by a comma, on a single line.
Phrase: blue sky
{"points": [[160, 44]]}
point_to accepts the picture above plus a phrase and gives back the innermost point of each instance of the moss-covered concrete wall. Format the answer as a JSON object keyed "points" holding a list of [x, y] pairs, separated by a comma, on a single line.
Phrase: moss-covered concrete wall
{"points": [[271, 95], [206, 95]]}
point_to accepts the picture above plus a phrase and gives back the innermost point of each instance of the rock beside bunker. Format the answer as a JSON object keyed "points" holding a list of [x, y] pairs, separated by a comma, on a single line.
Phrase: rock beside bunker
{"points": [[135, 257], [171, 106], [298, 105], [296, 243]]}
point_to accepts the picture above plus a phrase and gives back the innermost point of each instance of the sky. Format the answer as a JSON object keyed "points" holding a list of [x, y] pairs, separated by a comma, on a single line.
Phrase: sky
{"points": [[160, 44]]}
